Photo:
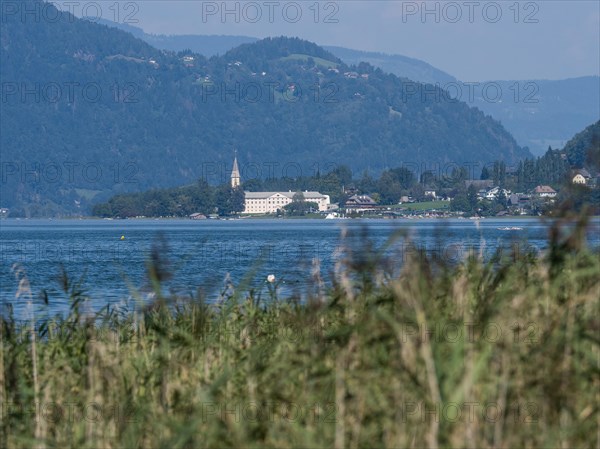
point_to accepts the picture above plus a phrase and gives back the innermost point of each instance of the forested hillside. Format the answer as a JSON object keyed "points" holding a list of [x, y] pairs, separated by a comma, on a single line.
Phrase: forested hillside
{"points": [[583, 150]]}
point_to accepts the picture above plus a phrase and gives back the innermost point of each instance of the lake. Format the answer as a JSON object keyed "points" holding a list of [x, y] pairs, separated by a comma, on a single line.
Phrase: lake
{"points": [[204, 254]]}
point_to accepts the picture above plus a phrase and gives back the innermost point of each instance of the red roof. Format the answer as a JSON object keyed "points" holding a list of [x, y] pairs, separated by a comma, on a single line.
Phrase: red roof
{"points": [[544, 189]]}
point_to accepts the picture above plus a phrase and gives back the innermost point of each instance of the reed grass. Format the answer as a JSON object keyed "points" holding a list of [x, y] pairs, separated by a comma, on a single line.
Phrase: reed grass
{"points": [[481, 354]]}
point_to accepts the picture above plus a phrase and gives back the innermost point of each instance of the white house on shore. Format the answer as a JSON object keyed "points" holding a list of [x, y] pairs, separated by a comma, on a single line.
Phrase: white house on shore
{"points": [[271, 202]]}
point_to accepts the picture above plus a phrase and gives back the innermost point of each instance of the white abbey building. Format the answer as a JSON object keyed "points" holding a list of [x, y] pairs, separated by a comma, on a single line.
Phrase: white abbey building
{"points": [[271, 202]]}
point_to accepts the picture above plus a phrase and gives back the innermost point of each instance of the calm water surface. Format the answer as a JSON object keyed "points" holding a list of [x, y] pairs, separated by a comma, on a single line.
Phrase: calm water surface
{"points": [[203, 254]]}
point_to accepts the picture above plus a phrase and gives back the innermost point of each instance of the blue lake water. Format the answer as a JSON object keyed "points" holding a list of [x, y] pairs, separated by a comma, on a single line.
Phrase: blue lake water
{"points": [[203, 254]]}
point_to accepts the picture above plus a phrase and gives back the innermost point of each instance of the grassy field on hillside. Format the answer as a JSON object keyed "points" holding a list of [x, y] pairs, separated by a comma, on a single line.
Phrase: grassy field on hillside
{"points": [[319, 61]]}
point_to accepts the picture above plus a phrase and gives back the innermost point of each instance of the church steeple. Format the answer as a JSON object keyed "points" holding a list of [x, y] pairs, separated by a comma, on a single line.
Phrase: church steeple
{"points": [[235, 173]]}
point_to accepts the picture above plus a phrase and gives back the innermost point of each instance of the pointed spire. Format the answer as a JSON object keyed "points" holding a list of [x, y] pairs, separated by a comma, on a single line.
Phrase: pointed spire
{"points": [[235, 172]]}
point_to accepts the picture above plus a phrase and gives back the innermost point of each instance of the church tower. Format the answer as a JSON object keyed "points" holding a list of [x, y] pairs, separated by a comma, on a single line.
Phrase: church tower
{"points": [[235, 174]]}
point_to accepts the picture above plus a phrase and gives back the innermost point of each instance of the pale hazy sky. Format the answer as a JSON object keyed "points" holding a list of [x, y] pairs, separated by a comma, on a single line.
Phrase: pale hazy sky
{"points": [[472, 40]]}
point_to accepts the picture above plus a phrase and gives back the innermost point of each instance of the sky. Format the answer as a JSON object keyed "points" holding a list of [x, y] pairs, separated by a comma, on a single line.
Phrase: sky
{"points": [[471, 40]]}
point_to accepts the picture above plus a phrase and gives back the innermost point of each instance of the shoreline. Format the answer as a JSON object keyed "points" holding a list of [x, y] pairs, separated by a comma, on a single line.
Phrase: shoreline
{"points": [[268, 217]]}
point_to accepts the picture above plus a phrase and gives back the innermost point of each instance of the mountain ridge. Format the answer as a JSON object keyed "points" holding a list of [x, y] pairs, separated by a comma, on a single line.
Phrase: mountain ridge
{"points": [[213, 45]]}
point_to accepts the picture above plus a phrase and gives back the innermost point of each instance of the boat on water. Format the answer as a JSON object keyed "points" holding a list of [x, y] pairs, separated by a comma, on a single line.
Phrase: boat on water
{"points": [[333, 216], [510, 228]]}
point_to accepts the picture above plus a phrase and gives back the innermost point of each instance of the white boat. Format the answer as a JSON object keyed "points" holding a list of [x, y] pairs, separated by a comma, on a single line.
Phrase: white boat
{"points": [[510, 228]]}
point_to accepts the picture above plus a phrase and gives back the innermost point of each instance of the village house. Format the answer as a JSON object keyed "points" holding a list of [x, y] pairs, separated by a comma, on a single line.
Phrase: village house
{"points": [[494, 193], [520, 202], [188, 61], [582, 177], [518, 199], [430, 193], [360, 203], [350, 190], [544, 192]]}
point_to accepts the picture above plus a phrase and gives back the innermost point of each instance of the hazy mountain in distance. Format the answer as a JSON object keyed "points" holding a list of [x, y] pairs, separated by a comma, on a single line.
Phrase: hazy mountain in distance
{"points": [[206, 45], [541, 113], [413, 69]]}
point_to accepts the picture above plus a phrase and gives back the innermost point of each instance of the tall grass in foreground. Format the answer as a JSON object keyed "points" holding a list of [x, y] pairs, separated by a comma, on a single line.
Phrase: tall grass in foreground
{"points": [[502, 353]]}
